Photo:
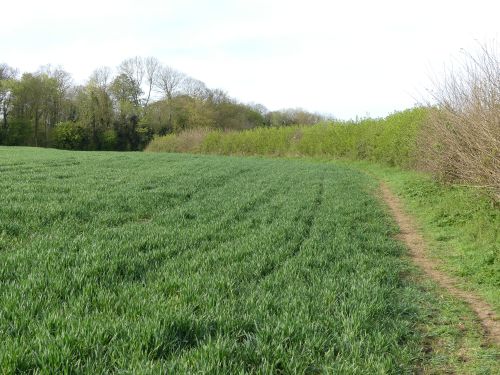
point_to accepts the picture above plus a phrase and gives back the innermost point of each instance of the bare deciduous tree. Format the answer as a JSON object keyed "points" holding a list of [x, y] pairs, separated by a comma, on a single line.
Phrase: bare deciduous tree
{"points": [[195, 88], [152, 68], [169, 81], [101, 77], [218, 96], [134, 70], [7, 72]]}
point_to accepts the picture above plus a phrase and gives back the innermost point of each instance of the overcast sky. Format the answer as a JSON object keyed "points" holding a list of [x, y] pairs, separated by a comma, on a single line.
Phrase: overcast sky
{"points": [[344, 58]]}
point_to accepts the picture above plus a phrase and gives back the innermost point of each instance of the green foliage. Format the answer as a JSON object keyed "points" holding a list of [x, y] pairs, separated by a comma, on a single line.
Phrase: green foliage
{"points": [[19, 132], [188, 264], [95, 109], [145, 135], [124, 103], [125, 90], [391, 140], [34, 96], [70, 136], [76, 136], [234, 116], [185, 113], [289, 117], [109, 139], [189, 113], [170, 143]]}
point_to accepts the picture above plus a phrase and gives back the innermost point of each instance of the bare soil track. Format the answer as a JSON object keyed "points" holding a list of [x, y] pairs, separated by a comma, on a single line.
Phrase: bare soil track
{"points": [[416, 244]]}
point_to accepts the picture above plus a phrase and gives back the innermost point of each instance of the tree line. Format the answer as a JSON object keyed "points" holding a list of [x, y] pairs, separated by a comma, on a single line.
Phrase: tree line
{"points": [[121, 108]]}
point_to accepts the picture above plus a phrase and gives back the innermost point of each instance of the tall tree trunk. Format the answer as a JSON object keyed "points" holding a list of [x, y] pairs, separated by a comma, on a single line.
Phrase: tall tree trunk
{"points": [[46, 133], [36, 128], [3, 131], [5, 123]]}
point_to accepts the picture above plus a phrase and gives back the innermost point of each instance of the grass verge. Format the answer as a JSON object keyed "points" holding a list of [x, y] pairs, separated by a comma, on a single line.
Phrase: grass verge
{"points": [[460, 223]]}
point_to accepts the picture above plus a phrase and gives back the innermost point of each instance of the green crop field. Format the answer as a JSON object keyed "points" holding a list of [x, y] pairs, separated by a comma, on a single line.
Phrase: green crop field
{"points": [[141, 263]]}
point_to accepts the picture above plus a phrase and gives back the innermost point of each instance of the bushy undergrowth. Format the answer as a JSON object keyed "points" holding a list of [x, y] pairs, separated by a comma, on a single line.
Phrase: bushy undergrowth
{"points": [[391, 140], [461, 139], [187, 141]]}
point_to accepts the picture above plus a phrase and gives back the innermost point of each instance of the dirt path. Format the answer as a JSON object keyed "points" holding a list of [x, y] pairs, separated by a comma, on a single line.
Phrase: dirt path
{"points": [[415, 242]]}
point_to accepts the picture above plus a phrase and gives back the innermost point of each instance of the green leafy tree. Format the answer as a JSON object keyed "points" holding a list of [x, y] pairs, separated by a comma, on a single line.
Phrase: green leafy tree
{"points": [[34, 97], [95, 112], [7, 81]]}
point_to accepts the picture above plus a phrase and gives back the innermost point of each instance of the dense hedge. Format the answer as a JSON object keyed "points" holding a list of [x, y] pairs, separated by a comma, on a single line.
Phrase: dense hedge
{"points": [[391, 140]]}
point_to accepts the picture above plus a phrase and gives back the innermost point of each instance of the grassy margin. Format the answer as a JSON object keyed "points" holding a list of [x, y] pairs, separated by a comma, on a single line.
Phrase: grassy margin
{"points": [[456, 222], [460, 224]]}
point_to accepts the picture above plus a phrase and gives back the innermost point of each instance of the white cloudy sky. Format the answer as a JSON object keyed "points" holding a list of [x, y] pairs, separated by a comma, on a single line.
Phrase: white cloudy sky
{"points": [[344, 58]]}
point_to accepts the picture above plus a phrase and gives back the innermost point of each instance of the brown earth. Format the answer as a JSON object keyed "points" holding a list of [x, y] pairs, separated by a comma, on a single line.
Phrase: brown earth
{"points": [[416, 244]]}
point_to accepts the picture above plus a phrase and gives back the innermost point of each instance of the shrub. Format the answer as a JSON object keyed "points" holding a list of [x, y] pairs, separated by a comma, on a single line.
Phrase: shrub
{"points": [[18, 133], [108, 140], [461, 139], [145, 135], [187, 141], [391, 140], [70, 136]]}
